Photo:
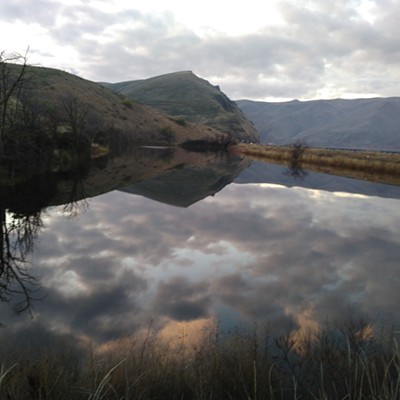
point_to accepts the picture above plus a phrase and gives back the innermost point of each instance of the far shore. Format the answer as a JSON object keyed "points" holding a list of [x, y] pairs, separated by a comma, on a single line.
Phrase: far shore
{"points": [[374, 166]]}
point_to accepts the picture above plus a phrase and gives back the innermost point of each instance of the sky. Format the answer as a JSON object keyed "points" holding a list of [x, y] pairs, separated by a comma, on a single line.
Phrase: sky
{"points": [[271, 50]]}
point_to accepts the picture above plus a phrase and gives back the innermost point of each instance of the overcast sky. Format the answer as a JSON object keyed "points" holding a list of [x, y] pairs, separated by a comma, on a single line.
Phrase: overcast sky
{"points": [[267, 50]]}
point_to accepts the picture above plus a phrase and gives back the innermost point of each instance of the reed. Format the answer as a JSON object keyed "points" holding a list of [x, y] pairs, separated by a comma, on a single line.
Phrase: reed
{"points": [[332, 363], [374, 166]]}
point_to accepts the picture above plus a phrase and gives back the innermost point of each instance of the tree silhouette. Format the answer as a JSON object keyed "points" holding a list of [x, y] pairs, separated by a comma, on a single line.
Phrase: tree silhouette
{"points": [[294, 166], [17, 237], [12, 81]]}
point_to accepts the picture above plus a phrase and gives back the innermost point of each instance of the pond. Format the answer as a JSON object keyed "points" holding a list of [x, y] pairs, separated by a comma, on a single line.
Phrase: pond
{"points": [[205, 239]]}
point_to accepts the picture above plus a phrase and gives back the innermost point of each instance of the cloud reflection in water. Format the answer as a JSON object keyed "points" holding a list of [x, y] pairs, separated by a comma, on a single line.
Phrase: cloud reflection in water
{"points": [[255, 252]]}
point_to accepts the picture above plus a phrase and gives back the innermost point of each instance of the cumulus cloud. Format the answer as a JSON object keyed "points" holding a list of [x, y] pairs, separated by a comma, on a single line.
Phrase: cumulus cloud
{"points": [[318, 49]]}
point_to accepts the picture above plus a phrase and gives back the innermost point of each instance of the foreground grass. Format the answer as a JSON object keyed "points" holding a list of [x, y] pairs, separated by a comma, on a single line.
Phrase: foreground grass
{"points": [[373, 166], [347, 363]]}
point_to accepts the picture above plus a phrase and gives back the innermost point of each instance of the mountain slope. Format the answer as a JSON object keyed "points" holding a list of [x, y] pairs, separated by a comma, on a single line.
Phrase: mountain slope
{"points": [[360, 123], [55, 90], [66, 100], [184, 95]]}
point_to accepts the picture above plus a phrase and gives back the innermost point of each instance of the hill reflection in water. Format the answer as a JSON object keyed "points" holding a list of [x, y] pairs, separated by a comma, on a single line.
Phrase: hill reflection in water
{"points": [[170, 175], [257, 252]]}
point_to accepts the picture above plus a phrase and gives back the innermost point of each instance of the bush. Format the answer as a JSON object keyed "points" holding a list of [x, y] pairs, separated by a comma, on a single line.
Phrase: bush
{"points": [[127, 103], [180, 121], [167, 134]]}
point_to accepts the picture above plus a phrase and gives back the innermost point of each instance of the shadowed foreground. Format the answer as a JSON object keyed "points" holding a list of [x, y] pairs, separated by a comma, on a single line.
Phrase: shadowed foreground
{"points": [[348, 362]]}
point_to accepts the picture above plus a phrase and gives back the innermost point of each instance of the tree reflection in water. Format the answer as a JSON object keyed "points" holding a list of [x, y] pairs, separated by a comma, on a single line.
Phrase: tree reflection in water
{"points": [[17, 237]]}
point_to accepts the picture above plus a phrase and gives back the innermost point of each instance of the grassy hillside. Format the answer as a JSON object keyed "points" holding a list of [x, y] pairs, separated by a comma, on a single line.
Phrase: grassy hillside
{"points": [[54, 90], [372, 124], [184, 95], [56, 121]]}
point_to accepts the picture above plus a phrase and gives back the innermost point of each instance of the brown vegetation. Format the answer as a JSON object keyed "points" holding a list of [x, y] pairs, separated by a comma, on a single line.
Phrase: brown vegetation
{"points": [[373, 166], [346, 362]]}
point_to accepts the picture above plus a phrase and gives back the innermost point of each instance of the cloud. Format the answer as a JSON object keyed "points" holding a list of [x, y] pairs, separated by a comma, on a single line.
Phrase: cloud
{"points": [[250, 253], [318, 49], [41, 12], [182, 300], [106, 307]]}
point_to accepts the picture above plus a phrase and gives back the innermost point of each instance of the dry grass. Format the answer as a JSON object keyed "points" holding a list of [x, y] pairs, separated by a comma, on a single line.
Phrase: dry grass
{"points": [[373, 166], [340, 363]]}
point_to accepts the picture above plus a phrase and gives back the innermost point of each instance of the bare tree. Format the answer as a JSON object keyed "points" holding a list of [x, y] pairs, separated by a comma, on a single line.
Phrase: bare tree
{"points": [[294, 168], [12, 80], [76, 113], [17, 236]]}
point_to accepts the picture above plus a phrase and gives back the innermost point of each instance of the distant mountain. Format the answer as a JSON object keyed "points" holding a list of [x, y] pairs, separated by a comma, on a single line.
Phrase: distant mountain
{"points": [[188, 97], [361, 123]]}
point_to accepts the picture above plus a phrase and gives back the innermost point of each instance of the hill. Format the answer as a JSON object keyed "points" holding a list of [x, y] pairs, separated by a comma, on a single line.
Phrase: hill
{"points": [[54, 120], [186, 96], [75, 103], [359, 124]]}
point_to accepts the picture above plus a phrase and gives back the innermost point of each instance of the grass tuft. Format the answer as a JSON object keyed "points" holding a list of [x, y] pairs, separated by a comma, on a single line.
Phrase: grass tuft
{"points": [[330, 364]]}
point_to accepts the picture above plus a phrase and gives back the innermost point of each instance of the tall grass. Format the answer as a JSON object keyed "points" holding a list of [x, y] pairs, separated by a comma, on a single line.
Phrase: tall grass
{"points": [[374, 166], [333, 363]]}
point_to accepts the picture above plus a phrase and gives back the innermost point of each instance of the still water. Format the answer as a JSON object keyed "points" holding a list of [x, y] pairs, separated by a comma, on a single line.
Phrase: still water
{"points": [[204, 238]]}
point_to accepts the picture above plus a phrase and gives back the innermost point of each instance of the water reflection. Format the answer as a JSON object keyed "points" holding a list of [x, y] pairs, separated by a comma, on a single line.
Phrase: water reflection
{"points": [[257, 252], [294, 175], [18, 233], [170, 175]]}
